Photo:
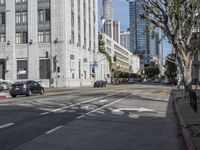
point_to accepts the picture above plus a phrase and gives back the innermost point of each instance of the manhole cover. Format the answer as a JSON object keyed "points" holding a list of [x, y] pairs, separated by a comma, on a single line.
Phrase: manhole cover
{"points": [[195, 130]]}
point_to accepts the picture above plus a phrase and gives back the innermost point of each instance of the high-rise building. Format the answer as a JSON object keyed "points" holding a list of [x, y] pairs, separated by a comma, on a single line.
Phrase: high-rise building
{"points": [[109, 26], [125, 39], [139, 37], [53, 40], [107, 10]]}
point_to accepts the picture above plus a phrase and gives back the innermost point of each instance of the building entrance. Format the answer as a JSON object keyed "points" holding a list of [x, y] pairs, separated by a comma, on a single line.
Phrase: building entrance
{"points": [[2, 69]]}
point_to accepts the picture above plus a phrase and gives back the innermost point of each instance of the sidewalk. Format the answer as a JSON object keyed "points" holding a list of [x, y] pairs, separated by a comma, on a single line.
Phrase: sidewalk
{"points": [[189, 120]]}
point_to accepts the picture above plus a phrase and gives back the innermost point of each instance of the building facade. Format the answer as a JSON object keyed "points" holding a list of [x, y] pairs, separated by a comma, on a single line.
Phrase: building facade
{"points": [[125, 39], [52, 40]]}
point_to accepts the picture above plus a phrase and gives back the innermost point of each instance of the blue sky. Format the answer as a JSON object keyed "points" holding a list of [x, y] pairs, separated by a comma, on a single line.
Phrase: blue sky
{"points": [[121, 13]]}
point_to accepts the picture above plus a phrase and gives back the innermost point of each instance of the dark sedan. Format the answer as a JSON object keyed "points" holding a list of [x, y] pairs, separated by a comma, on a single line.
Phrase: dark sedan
{"points": [[100, 83], [26, 88]]}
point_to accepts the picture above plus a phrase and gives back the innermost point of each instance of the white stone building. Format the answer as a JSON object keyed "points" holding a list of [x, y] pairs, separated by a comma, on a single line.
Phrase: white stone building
{"points": [[52, 40], [122, 59]]}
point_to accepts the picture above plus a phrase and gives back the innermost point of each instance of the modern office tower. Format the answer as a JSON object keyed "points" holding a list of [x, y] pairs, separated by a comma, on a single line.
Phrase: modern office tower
{"points": [[52, 40], [139, 37], [109, 26], [125, 39]]}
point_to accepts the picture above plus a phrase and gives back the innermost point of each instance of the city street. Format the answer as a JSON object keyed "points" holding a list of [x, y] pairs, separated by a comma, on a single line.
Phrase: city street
{"points": [[120, 117]]}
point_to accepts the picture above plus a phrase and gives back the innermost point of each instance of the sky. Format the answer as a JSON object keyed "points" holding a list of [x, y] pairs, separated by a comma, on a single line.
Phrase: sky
{"points": [[121, 13]]}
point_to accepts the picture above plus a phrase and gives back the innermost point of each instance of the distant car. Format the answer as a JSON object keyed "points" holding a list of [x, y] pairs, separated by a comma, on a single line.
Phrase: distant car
{"points": [[149, 79], [166, 81], [100, 83], [26, 88], [157, 80]]}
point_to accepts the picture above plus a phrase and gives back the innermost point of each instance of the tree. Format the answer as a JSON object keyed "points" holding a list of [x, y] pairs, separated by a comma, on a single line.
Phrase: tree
{"points": [[178, 20], [152, 71]]}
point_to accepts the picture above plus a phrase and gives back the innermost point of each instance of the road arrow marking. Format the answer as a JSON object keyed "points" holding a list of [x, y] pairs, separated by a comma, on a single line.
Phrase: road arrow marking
{"points": [[134, 109], [103, 101]]}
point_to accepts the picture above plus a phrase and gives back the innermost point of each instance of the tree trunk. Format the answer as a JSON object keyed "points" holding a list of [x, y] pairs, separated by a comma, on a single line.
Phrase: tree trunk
{"points": [[187, 75]]}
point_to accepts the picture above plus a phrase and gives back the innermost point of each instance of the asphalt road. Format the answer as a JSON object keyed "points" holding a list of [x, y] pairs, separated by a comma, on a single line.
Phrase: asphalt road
{"points": [[125, 117]]}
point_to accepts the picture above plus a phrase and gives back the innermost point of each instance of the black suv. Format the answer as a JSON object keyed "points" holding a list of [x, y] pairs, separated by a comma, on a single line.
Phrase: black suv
{"points": [[26, 88], [100, 83]]}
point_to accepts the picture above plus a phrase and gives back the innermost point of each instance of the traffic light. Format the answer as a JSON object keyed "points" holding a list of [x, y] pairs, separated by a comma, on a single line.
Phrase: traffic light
{"points": [[47, 54], [58, 69], [114, 58]]}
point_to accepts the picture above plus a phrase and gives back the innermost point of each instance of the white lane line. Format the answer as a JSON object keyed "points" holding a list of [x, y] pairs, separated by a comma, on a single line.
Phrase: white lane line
{"points": [[6, 125], [102, 107], [59, 109], [44, 113], [50, 131]]}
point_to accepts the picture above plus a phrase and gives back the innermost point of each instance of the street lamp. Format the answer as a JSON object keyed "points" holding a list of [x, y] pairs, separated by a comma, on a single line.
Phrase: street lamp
{"points": [[30, 42]]}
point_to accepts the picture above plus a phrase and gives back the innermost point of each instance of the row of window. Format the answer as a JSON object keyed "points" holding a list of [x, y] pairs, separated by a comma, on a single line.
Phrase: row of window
{"points": [[22, 37], [21, 16], [2, 2]]}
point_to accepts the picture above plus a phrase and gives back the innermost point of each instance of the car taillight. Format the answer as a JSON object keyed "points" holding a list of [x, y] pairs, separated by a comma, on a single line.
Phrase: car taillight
{"points": [[24, 86]]}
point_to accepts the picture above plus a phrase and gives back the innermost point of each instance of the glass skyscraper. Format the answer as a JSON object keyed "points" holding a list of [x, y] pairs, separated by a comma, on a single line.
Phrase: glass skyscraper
{"points": [[139, 37]]}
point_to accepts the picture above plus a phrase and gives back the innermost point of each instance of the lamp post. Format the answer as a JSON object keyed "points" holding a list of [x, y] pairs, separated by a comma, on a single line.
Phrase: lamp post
{"points": [[30, 42]]}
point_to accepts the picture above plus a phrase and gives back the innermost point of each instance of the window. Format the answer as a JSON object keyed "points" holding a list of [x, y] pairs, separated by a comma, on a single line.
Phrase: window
{"points": [[21, 1], [24, 37], [22, 72], [18, 17], [41, 15], [3, 18], [18, 38], [24, 17], [72, 19], [2, 2], [47, 36], [2, 37], [47, 14], [72, 37], [41, 37], [44, 36], [45, 72]]}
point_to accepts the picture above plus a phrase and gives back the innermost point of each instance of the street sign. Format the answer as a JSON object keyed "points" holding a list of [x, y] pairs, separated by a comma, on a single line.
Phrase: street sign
{"points": [[93, 65]]}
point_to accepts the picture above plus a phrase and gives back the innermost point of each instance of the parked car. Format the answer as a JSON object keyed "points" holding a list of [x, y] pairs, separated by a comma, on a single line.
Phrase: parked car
{"points": [[1, 87], [43, 84], [6, 85], [26, 88], [100, 83]]}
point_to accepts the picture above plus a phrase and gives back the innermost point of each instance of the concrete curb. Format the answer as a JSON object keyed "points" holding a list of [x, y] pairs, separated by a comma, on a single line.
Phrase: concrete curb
{"points": [[185, 130], [3, 96]]}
